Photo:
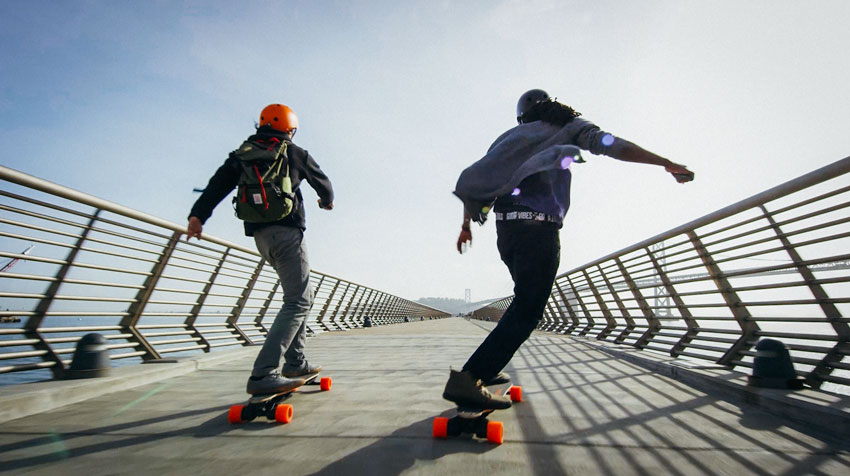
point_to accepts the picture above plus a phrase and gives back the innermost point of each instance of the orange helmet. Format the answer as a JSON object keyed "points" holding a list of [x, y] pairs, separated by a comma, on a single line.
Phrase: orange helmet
{"points": [[279, 117]]}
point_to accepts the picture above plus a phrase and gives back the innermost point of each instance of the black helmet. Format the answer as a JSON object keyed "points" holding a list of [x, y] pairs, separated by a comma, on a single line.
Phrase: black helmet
{"points": [[528, 100]]}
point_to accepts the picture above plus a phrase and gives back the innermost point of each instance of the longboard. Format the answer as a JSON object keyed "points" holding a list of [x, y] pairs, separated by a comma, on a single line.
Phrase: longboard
{"points": [[473, 420], [271, 405]]}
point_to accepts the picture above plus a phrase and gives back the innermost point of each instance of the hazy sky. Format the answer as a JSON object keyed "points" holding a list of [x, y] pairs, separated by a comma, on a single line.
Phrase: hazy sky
{"points": [[139, 102]]}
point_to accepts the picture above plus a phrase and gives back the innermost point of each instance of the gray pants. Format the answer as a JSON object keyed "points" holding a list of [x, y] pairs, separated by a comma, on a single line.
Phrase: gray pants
{"points": [[284, 249]]}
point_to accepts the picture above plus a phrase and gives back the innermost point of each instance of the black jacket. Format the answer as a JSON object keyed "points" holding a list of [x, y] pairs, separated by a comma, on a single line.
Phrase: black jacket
{"points": [[301, 167]]}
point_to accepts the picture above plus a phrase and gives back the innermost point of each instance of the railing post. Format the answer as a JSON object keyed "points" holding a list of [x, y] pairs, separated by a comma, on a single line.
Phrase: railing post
{"points": [[548, 318], [404, 310], [610, 324], [380, 312], [833, 315], [684, 312], [623, 311], [134, 312], [652, 322], [196, 309], [393, 312], [395, 308], [348, 303], [360, 317], [316, 289], [339, 306], [34, 322], [320, 320], [573, 319], [358, 308], [587, 316], [374, 306], [258, 321], [386, 308], [236, 312], [749, 328]]}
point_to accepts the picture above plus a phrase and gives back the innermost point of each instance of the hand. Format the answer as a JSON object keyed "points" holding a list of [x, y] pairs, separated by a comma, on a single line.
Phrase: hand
{"points": [[464, 237], [329, 206], [680, 172], [194, 228]]}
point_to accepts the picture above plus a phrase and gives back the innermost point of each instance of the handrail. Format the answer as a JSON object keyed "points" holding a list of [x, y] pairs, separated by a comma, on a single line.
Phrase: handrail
{"points": [[129, 276], [771, 266], [815, 177]]}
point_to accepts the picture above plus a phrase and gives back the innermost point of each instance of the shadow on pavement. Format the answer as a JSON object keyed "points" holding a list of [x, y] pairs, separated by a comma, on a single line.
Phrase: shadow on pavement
{"points": [[401, 450]]}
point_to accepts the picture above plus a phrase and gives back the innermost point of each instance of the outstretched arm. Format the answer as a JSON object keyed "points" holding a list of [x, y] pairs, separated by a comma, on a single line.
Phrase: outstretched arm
{"points": [[465, 232], [629, 152]]}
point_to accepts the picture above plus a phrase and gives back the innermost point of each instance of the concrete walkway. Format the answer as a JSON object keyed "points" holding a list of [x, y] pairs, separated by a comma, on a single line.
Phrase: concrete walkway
{"points": [[586, 410]]}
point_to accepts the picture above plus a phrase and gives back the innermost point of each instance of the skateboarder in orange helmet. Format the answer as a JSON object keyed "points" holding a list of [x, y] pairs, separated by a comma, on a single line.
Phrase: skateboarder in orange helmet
{"points": [[525, 178], [279, 238]]}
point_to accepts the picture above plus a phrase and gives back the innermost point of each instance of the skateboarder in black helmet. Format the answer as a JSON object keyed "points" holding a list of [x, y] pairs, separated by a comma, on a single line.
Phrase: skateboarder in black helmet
{"points": [[525, 179], [278, 230]]}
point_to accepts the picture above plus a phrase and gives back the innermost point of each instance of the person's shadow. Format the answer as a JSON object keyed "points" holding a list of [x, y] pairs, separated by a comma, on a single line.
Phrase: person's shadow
{"points": [[399, 451]]}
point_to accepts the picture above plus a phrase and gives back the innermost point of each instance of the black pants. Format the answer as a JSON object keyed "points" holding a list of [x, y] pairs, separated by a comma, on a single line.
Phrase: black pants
{"points": [[532, 253]]}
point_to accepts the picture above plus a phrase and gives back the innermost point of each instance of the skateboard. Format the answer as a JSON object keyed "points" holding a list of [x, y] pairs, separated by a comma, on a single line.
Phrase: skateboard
{"points": [[271, 405], [473, 420]]}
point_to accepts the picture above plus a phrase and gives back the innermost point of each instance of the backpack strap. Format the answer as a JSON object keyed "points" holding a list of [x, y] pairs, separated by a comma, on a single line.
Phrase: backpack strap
{"points": [[280, 151]]}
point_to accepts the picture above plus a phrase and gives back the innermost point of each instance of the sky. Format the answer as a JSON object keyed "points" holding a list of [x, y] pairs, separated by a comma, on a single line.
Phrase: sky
{"points": [[139, 102]]}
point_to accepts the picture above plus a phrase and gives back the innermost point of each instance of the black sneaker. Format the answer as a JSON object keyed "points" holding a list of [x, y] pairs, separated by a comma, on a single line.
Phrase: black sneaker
{"points": [[302, 370], [272, 383], [467, 391]]}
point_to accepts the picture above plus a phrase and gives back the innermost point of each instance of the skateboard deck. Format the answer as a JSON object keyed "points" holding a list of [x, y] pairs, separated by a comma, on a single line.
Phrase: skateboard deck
{"points": [[465, 420], [271, 405]]}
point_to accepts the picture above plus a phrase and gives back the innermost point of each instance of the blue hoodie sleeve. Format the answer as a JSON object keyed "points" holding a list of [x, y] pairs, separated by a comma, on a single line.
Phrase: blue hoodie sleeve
{"points": [[588, 136]]}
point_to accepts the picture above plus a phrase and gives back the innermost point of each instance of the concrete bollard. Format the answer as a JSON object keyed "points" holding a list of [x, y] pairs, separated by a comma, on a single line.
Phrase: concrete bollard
{"points": [[91, 358], [773, 368]]}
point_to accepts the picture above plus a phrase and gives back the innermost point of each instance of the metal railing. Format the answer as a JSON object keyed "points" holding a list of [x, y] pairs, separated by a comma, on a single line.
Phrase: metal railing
{"points": [[494, 310], [771, 266], [130, 277]]}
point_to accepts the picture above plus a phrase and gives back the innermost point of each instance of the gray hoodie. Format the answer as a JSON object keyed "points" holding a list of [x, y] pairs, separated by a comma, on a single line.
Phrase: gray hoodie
{"points": [[523, 151]]}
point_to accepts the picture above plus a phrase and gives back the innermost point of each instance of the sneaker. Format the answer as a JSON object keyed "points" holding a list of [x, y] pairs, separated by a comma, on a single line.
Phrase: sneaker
{"points": [[272, 383], [304, 369], [467, 391], [500, 378]]}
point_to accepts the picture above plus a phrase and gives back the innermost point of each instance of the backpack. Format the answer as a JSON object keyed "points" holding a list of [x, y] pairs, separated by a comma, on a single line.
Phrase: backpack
{"points": [[263, 193]]}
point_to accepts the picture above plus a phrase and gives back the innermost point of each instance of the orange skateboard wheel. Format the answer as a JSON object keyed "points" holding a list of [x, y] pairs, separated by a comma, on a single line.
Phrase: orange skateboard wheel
{"points": [[441, 426], [235, 414], [495, 432], [325, 383], [283, 413], [516, 393]]}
